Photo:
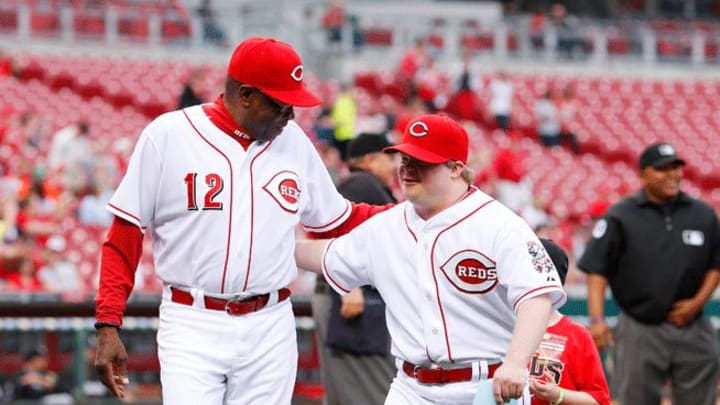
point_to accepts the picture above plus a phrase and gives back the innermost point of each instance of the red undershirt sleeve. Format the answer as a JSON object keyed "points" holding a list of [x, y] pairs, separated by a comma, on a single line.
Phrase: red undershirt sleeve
{"points": [[120, 257], [360, 212]]}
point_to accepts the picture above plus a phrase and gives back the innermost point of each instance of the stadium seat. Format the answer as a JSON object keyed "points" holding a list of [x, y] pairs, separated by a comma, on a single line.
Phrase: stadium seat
{"points": [[8, 20], [89, 25], [376, 36], [45, 23]]}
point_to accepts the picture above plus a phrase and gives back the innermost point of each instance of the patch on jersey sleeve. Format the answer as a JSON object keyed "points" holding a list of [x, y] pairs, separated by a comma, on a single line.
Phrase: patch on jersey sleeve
{"points": [[471, 272], [284, 188], [599, 229], [540, 259]]}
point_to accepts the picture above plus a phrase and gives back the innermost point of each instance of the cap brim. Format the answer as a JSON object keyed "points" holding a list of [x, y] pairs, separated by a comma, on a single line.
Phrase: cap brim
{"points": [[301, 97], [667, 160], [417, 152]]}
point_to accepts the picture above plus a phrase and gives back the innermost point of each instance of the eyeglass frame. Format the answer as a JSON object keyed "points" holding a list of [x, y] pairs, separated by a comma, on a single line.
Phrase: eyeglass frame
{"points": [[280, 108]]}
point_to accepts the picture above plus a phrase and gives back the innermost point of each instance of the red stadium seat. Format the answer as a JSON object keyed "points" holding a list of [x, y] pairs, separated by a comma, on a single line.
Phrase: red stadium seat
{"points": [[8, 20], [89, 25], [45, 23], [618, 46], [478, 41], [378, 36], [32, 71], [175, 29], [61, 80], [133, 27]]}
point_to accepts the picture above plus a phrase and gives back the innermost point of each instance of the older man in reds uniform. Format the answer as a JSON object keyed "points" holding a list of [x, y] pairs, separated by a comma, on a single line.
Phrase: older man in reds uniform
{"points": [[221, 187], [467, 285]]}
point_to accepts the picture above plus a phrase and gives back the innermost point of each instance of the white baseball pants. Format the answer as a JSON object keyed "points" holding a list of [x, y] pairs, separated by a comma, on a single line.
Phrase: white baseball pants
{"points": [[210, 357]]}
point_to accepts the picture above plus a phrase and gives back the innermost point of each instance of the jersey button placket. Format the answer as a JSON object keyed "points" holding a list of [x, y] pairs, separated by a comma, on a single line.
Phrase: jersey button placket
{"points": [[432, 322]]}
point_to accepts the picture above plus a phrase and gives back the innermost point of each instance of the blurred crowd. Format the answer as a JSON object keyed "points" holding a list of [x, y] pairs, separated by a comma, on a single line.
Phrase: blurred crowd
{"points": [[57, 183]]}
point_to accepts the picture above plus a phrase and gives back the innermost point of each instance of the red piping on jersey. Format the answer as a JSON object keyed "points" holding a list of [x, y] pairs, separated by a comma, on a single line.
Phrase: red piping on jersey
{"points": [[552, 287], [232, 184], [407, 224], [252, 214], [325, 270], [347, 206], [128, 214], [432, 265]]}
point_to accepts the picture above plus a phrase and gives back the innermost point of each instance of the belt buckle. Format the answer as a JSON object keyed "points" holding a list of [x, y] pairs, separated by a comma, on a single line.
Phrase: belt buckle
{"points": [[433, 368], [236, 299], [415, 371]]}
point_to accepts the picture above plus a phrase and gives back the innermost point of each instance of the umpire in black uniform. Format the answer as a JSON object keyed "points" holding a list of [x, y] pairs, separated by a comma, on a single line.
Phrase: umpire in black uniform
{"points": [[659, 250], [357, 367]]}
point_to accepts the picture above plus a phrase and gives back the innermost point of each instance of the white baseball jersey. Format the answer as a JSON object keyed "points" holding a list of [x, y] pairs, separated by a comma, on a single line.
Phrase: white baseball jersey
{"points": [[222, 218], [451, 284]]}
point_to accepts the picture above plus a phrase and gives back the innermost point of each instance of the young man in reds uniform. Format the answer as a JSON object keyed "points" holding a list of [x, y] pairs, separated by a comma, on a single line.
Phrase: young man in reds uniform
{"points": [[221, 187], [467, 285], [566, 368]]}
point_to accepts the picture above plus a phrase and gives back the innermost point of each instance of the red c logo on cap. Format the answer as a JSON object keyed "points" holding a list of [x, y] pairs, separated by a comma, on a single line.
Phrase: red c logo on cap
{"points": [[297, 73], [415, 132]]}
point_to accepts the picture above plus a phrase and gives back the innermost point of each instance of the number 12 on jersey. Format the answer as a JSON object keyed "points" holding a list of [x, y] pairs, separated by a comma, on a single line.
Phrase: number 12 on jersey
{"points": [[215, 186]]}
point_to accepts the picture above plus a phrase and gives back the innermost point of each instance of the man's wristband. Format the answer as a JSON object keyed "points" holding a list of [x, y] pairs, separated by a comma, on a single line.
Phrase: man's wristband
{"points": [[100, 325], [597, 319], [561, 397]]}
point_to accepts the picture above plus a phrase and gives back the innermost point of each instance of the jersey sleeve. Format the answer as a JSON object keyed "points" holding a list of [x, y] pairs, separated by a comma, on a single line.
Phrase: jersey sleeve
{"points": [[120, 256], [603, 247], [134, 199], [524, 267], [590, 376], [325, 208], [345, 261]]}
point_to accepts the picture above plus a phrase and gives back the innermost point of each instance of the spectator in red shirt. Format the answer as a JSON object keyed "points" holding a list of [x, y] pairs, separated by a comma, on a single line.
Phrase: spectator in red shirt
{"points": [[7, 66], [514, 189], [413, 59], [25, 280], [333, 21]]}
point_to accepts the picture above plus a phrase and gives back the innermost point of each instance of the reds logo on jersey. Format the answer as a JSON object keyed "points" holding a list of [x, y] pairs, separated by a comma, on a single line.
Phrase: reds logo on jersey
{"points": [[471, 272], [285, 190]]}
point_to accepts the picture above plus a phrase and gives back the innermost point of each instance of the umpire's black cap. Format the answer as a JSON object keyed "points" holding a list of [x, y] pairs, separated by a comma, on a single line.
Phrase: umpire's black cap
{"points": [[658, 155], [558, 257], [366, 143]]}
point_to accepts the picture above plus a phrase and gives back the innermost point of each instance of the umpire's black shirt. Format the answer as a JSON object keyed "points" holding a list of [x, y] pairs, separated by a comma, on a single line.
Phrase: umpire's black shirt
{"points": [[653, 255]]}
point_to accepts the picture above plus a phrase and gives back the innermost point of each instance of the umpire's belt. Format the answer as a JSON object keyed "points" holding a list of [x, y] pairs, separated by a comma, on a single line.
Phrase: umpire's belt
{"points": [[435, 374], [236, 305]]}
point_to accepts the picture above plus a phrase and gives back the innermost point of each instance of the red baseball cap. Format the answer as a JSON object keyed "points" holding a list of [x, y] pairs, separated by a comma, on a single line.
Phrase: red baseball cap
{"points": [[273, 67], [433, 139]]}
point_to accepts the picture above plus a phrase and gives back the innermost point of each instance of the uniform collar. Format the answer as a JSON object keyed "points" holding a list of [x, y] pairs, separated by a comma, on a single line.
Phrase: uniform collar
{"points": [[219, 115], [640, 198], [451, 214]]}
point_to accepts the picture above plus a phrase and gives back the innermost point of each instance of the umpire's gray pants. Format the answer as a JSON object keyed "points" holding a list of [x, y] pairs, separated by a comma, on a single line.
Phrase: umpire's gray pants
{"points": [[648, 355], [349, 379]]}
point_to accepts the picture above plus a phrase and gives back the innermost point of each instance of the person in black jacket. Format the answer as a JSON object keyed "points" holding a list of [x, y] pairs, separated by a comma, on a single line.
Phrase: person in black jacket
{"points": [[659, 250], [190, 95], [357, 367]]}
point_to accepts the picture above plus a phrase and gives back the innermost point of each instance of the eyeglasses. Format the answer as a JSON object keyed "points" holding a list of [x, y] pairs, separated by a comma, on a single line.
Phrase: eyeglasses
{"points": [[278, 107]]}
